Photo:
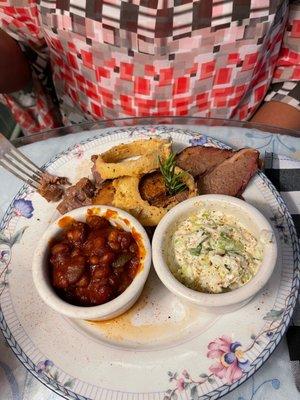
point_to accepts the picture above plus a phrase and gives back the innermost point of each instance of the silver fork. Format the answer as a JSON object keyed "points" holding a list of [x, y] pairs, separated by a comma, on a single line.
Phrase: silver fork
{"points": [[18, 164]]}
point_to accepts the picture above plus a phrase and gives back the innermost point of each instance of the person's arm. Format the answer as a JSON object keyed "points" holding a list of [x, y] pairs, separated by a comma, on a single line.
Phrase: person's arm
{"points": [[26, 86], [278, 114], [15, 71], [282, 104]]}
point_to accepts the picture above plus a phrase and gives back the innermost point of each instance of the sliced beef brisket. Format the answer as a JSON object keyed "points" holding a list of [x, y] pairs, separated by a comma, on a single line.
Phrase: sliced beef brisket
{"points": [[232, 175], [97, 177], [198, 160], [78, 195], [52, 187]]}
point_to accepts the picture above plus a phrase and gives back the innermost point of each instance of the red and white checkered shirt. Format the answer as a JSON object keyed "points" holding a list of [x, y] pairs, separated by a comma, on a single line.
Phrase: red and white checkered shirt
{"points": [[94, 59]]}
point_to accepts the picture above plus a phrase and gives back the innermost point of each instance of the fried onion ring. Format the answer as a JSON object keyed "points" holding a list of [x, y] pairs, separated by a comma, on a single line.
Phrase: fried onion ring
{"points": [[114, 164], [128, 198]]}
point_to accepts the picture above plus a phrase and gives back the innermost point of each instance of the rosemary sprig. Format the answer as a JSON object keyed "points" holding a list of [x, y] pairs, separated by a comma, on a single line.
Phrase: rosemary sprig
{"points": [[173, 180]]}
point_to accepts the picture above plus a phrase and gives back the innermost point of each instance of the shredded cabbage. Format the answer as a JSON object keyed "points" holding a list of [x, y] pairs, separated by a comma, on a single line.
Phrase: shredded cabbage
{"points": [[214, 253]]}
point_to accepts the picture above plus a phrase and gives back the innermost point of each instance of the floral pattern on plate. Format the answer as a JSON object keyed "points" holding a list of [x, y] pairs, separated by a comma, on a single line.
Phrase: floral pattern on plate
{"points": [[47, 367], [231, 361], [23, 208]]}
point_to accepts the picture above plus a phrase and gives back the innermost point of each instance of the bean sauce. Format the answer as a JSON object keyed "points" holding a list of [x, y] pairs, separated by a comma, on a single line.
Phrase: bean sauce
{"points": [[92, 263]]}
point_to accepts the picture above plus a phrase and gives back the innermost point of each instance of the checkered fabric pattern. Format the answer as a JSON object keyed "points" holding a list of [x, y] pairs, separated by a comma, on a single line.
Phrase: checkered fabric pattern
{"points": [[120, 58], [286, 92], [284, 173]]}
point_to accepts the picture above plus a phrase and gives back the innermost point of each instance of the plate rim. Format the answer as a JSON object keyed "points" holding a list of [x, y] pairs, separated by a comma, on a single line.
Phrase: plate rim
{"points": [[261, 358]]}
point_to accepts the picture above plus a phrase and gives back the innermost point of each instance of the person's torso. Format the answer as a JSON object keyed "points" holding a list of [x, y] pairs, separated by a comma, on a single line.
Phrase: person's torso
{"points": [[117, 58]]}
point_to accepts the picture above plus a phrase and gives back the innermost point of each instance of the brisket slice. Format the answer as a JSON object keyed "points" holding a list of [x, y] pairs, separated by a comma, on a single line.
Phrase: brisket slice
{"points": [[153, 189], [78, 195], [198, 160], [232, 175], [97, 177], [52, 187]]}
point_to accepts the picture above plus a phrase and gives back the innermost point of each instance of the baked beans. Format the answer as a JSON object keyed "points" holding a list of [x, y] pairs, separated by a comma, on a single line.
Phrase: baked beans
{"points": [[91, 263]]}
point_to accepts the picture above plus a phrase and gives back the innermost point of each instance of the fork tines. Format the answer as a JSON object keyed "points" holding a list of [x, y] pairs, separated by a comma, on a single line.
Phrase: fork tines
{"points": [[22, 167]]}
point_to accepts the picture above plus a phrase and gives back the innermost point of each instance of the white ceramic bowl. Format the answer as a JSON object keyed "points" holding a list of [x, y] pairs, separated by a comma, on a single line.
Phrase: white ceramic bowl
{"points": [[112, 308], [249, 216]]}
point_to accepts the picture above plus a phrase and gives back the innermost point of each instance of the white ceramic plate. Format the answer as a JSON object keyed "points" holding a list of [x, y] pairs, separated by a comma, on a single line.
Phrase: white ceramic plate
{"points": [[160, 349]]}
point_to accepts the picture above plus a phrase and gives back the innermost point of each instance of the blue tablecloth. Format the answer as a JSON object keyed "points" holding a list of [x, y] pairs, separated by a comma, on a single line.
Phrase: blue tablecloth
{"points": [[276, 379]]}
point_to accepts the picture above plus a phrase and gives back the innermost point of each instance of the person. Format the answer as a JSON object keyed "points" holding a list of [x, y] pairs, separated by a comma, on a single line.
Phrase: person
{"points": [[69, 61]]}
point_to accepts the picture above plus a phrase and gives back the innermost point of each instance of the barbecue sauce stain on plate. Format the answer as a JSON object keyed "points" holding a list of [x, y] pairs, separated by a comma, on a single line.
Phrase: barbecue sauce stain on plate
{"points": [[153, 320], [127, 327]]}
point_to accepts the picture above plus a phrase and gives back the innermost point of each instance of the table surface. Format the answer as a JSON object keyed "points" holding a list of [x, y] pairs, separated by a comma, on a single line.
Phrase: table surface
{"points": [[275, 379]]}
